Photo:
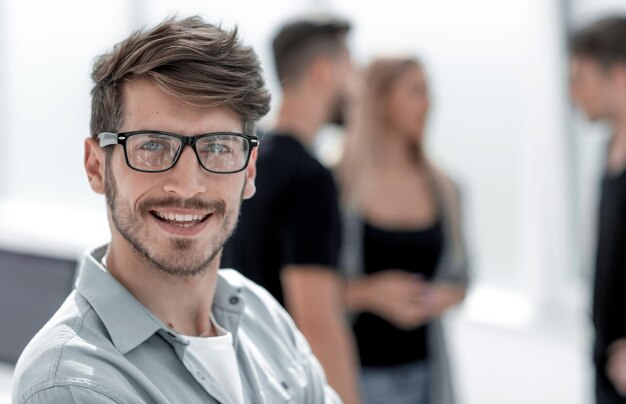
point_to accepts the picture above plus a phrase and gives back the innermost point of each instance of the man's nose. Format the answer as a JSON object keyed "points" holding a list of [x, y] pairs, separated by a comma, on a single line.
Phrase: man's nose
{"points": [[187, 178]]}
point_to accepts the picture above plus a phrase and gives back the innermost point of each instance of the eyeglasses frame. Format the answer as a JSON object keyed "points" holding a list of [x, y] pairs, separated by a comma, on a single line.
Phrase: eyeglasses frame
{"points": [[111, 138]]}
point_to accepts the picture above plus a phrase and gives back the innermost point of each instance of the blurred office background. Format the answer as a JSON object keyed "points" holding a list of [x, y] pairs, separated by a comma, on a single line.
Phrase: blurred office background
{"points": [[502, 124]]}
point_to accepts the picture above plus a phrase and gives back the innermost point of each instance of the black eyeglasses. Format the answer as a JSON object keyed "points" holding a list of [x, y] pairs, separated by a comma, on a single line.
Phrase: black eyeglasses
{"points": [[154, 151]]}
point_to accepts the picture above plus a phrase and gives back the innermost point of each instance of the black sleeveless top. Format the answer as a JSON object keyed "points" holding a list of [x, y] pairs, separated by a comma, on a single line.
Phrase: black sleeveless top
{"points": [[379, 342]]}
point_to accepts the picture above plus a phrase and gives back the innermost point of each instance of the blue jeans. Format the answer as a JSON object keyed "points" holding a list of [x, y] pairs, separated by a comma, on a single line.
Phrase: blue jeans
{"points": [[404, 384]]}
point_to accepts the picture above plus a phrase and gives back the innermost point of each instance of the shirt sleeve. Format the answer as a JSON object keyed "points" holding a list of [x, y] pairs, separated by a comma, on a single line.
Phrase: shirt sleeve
{"points": [[310, 224], [273, 332], [319, 390], [69, 394]]}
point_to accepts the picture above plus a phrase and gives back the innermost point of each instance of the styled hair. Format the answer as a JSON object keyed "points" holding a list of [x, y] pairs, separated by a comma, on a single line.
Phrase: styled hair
{"points": [[604, 41], [198, 63], [366, 132], [301, 41]]}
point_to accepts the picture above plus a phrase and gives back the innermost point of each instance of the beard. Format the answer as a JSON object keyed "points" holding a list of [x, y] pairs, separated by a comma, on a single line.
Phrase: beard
{"points": [[183, 257], [338, 111]]}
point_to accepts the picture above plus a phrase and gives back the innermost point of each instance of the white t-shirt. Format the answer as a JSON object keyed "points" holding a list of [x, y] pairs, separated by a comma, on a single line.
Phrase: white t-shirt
{"points": [[217, 356]]}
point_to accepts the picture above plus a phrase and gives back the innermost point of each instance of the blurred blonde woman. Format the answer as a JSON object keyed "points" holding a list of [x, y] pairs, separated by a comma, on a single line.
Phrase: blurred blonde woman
{"points": [[403, 250]]}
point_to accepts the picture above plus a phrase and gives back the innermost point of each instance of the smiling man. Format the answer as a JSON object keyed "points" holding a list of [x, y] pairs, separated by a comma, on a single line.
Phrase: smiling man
{"points": [[152, 320]]}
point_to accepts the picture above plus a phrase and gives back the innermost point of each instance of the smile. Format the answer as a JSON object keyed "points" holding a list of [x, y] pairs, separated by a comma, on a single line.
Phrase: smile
{"points": [[178, 219]]}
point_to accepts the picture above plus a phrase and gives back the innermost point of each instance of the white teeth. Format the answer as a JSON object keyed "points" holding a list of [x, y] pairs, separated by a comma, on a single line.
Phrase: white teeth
{"points": [[179, 218]]}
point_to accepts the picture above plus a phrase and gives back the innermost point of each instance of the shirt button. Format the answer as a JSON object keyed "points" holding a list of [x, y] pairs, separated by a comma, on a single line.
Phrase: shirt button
{"points": [[200, 375], [285, 385], [233, 300]]}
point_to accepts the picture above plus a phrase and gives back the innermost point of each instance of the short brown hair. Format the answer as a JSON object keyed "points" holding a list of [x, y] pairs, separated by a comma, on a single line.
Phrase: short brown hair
{"points": [[196, 62], [300, 41], [604, 41]]}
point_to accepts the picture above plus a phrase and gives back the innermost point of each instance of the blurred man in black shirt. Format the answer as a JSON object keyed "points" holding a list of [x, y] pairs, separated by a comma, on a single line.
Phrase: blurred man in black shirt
{"points": [[598, 69], [288, 235]]}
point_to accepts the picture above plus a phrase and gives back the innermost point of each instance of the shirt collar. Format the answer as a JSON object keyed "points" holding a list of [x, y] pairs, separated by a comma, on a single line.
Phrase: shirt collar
{"points": [[228, 303], [129, 322]]}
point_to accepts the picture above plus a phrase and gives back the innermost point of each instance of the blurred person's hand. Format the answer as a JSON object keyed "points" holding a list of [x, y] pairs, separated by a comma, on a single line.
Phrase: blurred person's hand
{"points": [[403, 298], [443, 296], [400, 297], [616, 365]]}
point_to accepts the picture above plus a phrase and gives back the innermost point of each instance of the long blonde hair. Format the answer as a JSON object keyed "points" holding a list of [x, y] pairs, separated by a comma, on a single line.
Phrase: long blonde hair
{"points": [[365, 134]]}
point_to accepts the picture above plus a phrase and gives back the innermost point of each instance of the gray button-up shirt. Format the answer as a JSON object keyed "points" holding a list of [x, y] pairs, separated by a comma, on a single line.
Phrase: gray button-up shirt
{"points": [[104, 346]]}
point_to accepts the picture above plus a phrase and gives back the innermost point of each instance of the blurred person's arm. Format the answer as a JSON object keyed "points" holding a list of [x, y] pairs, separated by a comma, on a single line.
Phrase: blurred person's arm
{"points": [[395, 295], [401, 297], [616, 365], [313, 298], [444, 296]]}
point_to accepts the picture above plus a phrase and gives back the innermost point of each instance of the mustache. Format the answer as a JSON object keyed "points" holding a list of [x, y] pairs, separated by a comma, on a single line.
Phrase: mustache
{"points": [[217, 206]]}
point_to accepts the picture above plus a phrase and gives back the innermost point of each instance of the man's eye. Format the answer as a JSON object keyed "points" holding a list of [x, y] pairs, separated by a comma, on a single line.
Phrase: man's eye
{"points": [[217, 148], [152, 146]]}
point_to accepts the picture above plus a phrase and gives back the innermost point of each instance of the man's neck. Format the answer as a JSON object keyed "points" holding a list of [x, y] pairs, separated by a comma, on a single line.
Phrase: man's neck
{"points": [[301, 116], [182, 304]]}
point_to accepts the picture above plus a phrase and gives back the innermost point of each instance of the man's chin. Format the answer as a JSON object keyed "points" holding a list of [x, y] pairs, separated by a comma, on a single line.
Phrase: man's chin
{"points": [[182, 268], [181, 245], [183, 257]]}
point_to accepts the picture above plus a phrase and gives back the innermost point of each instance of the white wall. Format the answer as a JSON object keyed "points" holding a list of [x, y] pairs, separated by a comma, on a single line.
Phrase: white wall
{"points": [[48, 49], [48, 61]]}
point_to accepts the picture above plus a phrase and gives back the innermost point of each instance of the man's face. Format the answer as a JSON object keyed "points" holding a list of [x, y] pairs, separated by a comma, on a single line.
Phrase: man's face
{"points": [[343, 74], [178, 220], [591, 87]]}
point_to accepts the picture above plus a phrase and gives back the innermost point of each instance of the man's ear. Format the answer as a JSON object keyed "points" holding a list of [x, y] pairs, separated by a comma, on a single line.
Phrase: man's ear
{"points": [[249, 187], [94, 165]]}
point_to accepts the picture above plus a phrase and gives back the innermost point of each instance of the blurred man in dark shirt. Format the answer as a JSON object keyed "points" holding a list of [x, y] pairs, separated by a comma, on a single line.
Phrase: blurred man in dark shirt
{"points": [[288, 237], [598, 69]]}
